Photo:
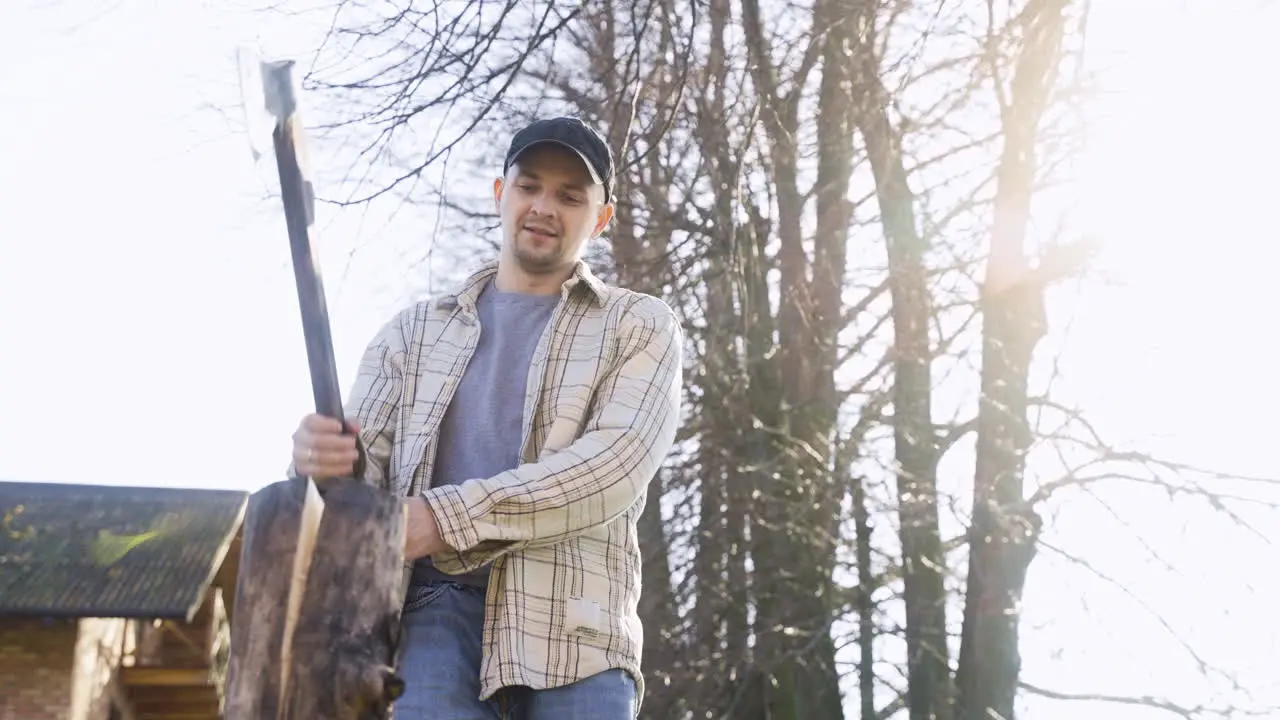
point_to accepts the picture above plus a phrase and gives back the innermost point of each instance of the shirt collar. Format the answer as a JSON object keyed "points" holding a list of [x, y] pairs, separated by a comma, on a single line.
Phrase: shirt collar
{"points": [[469, 290]]}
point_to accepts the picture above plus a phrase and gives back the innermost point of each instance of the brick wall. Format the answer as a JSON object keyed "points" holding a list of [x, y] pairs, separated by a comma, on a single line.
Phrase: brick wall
{"points": [[36, 658], [61, 669]]}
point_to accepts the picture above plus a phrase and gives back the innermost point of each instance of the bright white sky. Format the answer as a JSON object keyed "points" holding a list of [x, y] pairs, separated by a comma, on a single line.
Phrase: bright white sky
{"points": [[149, 330]]}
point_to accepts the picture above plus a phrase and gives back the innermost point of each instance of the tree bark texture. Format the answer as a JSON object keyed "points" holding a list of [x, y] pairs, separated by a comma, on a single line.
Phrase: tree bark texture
{"points": [[1005, 529], [794, 542], [924, 592]]}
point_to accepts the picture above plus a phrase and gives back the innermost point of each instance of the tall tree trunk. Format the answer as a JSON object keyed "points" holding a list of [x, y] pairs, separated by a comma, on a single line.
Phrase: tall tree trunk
{"points": [[760, 447], [794, 547], [928, 668], [834, 213], [783, 608], [715, 451], [658, 602], [638, 269], [719, 605], [865, 604], [1005, 528]]}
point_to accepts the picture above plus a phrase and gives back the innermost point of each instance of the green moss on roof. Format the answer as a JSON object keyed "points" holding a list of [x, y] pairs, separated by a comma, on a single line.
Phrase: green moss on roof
{"points": [[107, 551]]}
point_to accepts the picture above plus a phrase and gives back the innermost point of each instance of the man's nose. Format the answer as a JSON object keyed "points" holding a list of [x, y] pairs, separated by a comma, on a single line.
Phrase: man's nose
{"points": [[543, 204]]}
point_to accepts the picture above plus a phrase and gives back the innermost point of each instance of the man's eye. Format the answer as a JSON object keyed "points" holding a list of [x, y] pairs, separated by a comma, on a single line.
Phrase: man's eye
{"points": [[573, 200], [527, 187]]}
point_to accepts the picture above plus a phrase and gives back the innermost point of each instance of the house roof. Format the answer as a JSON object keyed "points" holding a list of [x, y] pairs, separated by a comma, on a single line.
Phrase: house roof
{"points": [[112, 551]]}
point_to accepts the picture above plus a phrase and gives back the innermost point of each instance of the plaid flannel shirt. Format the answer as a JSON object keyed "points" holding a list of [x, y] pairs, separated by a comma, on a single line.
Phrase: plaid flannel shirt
{"points": [[600, 416]]}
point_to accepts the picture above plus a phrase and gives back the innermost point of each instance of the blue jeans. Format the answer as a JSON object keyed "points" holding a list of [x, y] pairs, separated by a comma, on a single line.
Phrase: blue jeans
{"points": [[440, 664]]}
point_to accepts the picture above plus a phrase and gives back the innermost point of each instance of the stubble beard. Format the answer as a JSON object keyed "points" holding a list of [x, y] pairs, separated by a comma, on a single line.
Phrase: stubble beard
{"points": [[540, 260]]}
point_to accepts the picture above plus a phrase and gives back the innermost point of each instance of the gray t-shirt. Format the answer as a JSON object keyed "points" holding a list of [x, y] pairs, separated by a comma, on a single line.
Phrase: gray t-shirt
{"points": [[481, 431]]}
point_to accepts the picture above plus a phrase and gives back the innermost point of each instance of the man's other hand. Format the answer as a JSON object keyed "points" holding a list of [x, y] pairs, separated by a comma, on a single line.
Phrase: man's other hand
{"points": [[422, 534], [320, 449]]}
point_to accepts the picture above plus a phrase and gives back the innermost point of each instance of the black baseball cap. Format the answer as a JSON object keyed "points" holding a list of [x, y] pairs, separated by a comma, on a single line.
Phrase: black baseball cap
{"points": [[574, 134]]}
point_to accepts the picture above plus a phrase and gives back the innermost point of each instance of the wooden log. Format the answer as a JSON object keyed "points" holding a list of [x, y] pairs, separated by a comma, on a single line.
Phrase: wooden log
{"points": [[348, 627], [317, 604], [268, 555]]}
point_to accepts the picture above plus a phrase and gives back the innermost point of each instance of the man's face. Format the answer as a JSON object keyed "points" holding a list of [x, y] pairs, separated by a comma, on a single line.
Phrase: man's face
{"points": [[549, 208]]}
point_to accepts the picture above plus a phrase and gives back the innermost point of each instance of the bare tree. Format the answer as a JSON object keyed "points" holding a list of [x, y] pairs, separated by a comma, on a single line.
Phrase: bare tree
{"points": [[928, 670], [1004, 530]]}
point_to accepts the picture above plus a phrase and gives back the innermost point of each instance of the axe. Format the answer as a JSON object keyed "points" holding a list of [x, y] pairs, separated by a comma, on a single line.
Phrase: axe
{"points": [[315, 631], [269, 99]]}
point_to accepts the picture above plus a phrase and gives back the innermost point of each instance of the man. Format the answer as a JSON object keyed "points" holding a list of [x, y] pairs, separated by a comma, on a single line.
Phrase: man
{"points": [[522, 417]]}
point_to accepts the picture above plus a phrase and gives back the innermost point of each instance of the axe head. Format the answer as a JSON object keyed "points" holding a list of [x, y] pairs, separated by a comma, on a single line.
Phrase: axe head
{"points": [[267, 95]]}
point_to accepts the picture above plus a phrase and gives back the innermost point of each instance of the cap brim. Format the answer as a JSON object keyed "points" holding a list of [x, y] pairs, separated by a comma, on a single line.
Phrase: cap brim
{"points": [[595, 177]]}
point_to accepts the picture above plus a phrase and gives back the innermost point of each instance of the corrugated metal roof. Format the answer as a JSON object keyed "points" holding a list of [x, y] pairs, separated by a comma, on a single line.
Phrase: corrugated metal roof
{"points": [[111, 551]]}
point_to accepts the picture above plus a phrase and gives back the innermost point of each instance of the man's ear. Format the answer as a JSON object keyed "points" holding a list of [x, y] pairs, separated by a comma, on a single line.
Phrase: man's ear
{"points": [[603, 218], [497, 195]]}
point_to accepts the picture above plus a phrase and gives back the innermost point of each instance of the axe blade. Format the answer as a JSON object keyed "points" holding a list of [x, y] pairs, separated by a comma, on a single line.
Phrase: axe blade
{"points": [[258, 120]]}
